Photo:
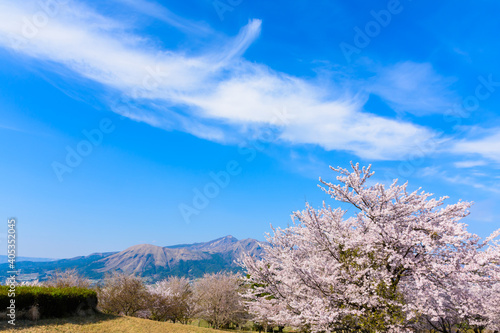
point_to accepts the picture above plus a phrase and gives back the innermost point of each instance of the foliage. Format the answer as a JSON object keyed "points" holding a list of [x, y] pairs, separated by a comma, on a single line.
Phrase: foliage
{"points": [[122, 294], [171, 299], [214, 298], [67, 278], [218, 300], [51, 301], [399, 261]]}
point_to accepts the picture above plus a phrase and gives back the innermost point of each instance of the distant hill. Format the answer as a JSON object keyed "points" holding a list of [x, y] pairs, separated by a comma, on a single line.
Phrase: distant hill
{"points": [[4, 259], [150, 261]]}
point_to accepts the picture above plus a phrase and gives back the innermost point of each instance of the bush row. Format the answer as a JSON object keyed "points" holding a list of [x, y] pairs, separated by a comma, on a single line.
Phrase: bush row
{"points": [[51, 301]]}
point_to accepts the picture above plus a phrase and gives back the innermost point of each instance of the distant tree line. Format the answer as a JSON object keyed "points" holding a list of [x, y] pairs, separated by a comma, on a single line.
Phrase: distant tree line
{"points": [[215, 298]]}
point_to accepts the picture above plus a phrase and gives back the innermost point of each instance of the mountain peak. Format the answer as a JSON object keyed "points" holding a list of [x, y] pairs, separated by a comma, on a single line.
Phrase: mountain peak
{"points": [[155, 262], [223, 240]]}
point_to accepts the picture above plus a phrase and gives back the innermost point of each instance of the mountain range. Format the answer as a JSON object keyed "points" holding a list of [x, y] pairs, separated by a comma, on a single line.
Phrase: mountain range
{"points": [[4, 259], [149, 261]]}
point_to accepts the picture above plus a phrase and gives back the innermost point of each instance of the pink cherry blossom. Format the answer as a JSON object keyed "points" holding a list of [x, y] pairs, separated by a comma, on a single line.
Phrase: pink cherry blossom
{"points": [[400, 261]]}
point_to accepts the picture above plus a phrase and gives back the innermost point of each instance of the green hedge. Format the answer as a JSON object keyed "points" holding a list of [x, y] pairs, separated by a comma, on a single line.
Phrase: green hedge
{"points": [[51, 301]]}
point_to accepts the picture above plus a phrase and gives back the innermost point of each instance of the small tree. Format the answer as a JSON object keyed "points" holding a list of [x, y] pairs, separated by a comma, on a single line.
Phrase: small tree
{"points": [[160, 304], [218, 300], [399, 258], [122, 294], [171, 299], [67, 278]]}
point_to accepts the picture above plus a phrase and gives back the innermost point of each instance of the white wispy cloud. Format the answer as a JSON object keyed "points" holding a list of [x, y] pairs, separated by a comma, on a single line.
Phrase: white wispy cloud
{"points": [[469, 164], [460, 177], [215, 94], [163, 14], [414, 87], [487, 146]]}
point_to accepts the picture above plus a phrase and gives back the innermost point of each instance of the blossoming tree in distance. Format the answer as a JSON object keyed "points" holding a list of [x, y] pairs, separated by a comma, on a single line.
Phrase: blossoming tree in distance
{"points": [[401, 262]]}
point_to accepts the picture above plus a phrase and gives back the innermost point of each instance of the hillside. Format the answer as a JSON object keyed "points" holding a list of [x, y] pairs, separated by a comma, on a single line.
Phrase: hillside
{"points": [[4, 259], [150, 261], [102, 324]]}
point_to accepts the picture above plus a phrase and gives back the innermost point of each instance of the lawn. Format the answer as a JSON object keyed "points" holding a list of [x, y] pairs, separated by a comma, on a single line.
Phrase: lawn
{"points": [[102, 324]]}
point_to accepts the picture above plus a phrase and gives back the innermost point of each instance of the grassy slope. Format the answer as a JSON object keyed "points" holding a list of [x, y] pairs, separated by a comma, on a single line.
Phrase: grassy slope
{"points": [[104, 324]]}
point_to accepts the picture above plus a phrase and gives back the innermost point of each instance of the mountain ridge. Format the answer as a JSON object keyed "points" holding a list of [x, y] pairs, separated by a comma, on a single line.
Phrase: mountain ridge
{"points": [[152, 262], [4, 259]]}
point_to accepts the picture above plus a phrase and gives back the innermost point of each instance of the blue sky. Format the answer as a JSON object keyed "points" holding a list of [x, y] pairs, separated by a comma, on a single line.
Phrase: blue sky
{"points": [[115, 116]]}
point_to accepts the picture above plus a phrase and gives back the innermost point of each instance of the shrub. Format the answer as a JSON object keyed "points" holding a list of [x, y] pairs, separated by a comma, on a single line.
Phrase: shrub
{"points": [[123, 294], [50, 301]]}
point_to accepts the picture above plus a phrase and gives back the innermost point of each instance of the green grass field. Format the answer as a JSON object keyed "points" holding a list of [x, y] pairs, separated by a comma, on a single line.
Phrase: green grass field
{"points": [[102, 324]]}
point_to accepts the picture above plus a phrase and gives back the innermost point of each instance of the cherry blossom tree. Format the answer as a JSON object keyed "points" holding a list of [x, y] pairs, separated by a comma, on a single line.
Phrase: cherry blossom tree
{"points": [[399, 259], [218, 300], [122, 294], [67, 278], [171, 299], [265, 311], [160, 301], [492, 308]]}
